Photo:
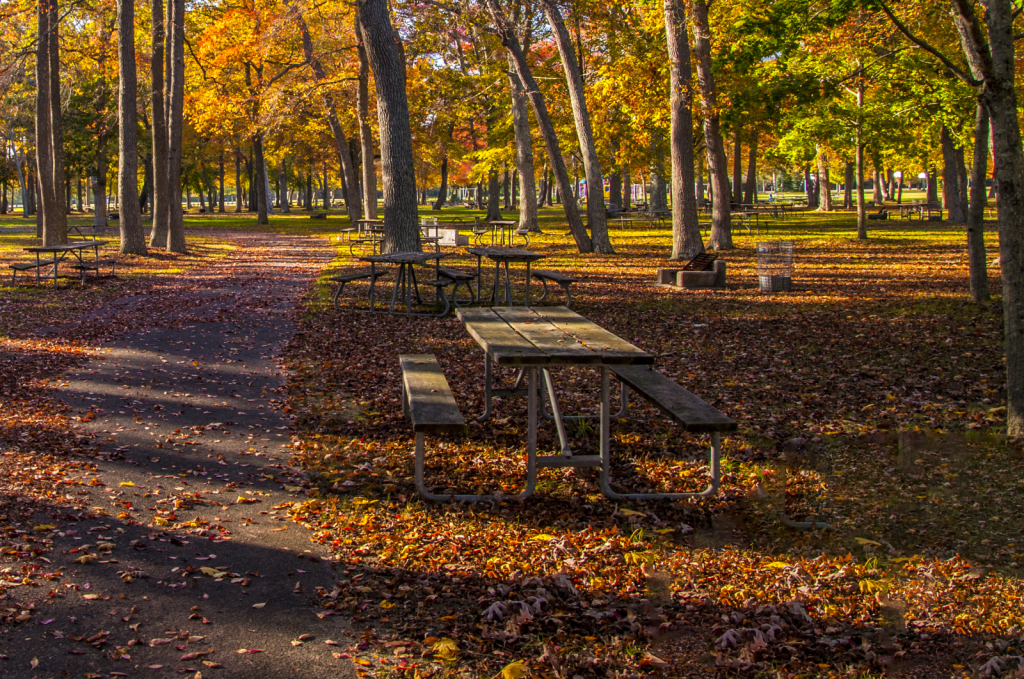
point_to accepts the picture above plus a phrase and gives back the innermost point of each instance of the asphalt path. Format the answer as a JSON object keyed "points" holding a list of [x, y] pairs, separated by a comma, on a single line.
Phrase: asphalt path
{"points": [[190, 557]]}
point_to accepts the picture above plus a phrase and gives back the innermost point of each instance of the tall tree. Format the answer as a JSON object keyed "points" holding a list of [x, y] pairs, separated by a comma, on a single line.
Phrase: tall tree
{"points": [[718, 165], [175, 115], [987, 42], [133, 238], [49, 126], [387, 60], [596, 215], [158, 231], [977, 266], [686, 239], [510, 41], [524, 153], [369, 174]]}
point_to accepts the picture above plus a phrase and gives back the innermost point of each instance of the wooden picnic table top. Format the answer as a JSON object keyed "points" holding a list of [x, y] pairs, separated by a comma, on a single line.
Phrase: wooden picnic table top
{"points": [[67, 247], [540, 336], [503, 222], [405, 257], [506, 254]]}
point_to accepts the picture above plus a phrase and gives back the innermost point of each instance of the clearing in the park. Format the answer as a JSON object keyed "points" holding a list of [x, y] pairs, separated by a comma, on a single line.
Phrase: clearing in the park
{"points": [[499, 339]]}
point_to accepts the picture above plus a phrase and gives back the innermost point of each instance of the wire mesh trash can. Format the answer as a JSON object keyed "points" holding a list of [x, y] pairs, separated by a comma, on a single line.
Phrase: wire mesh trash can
{"points": [[775, 266]]}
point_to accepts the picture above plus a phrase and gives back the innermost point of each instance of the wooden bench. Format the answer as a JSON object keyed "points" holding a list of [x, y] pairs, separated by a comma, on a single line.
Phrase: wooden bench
{"points": [[356, 276], [347, 232], [95, 266], [428, 402], [684, 408], [28, 266], [553, 276], [459, 278], [318, 215]]}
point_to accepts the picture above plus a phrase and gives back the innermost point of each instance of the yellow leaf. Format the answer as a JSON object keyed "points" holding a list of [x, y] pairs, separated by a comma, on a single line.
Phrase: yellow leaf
{"points": [[160, 521], [386, 604], [126, 483], [543, 537], [630, 512], [44, 527], [259, 605], [213, 572], [447, 649], [360, 661], [776, 564], [865, 541], [513, 670]]}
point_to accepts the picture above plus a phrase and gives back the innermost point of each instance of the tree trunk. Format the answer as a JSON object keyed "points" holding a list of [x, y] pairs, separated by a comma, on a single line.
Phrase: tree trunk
{"points": [[524, 152], [133, 238], [220, 181], [309, 190], [158, 229], [326, 189], [809, 188], [848, 186], [952, 193], [442, 191], [540, 110], [862, 213], [99, 189], [46, 153], [387, 60], [238, 179], [659, 189], [627, 188], [750, 191], [175, 113], [824, 184], [737, 170], [369, 180], [493, 195], [282, 187], [877, 184], [686, 238], [596, 214], [933, 187], [505, 192], [260, 180], [721, 227], [977, 264]]}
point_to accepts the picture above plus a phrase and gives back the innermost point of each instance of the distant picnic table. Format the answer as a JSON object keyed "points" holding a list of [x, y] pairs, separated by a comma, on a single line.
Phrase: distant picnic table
{"points": [[60, 253], [406, 281], [502, 257]]}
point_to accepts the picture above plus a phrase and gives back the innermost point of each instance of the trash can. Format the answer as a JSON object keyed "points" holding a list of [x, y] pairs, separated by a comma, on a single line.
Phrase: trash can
{"points": [[775, 266]]}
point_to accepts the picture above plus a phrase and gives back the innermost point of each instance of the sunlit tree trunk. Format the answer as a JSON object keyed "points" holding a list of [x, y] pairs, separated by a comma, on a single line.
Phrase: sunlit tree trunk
{"points": [[596, 215], [387, 60], [977, 263], [510, 41], [175, 113], [369, 174], [721, 226], [750, 190], [737, 169], [133, 238], [524, 152], [158, 230], [686, 238]]}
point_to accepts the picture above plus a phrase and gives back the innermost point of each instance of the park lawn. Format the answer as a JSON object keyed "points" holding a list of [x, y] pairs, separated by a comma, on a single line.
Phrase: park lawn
{"points": [[869, 398]]}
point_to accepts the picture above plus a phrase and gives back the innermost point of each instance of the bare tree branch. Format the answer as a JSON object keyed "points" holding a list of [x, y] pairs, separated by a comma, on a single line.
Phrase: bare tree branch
{"points": [[956, 70]]}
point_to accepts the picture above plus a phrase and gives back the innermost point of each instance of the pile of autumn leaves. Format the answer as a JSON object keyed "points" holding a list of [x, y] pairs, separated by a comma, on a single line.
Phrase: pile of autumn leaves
{"points": [[569, 583]]}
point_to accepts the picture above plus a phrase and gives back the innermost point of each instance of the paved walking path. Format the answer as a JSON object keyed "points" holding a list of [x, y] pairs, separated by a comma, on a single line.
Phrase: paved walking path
{"points": [[192, 492]]}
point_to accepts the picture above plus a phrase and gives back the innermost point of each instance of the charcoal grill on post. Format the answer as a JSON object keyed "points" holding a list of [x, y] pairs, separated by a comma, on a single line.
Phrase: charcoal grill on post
{"points": [[775, 266]]}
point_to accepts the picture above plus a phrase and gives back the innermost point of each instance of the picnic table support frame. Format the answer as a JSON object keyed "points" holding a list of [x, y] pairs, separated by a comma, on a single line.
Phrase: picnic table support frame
{"points": [[606, 461], [531, 456]]}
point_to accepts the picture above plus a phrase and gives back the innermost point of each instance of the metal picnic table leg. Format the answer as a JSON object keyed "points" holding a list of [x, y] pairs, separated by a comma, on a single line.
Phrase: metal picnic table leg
{"points": [[38, 278], [55, 270], [373, 281], [398, 284], [527, 305], [557, 411], [497, 277], [487, 389], [508, 287], [477, 277]]}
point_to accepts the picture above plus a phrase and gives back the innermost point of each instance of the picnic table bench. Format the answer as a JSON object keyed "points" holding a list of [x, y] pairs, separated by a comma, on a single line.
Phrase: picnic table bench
{"points": [[543, 275], [355, 276], [535, 340]]}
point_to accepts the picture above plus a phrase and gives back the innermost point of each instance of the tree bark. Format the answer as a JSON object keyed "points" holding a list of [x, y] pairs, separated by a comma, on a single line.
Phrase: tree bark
{"points": [[133, 238], [442, 191], [848, 186], [978, 266], [824, 184], [809, 188], [721, 227], [282, 187], [627, 188], [737, 170], [238, 180], [524, 152], [493, 195], [220, 180], [260, 180], [862, 208], [387, 60], [49, 209], [369, 179], [750, 191], [596, 215], [158, 229], [510, 41], [686, 238], [175, 115], [953, 194]]}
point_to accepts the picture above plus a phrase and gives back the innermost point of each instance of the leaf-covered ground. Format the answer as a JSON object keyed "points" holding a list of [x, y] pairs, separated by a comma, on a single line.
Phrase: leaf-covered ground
{"points": [[870, 398]]}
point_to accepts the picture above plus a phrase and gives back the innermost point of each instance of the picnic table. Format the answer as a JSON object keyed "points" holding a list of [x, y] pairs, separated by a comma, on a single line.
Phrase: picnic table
{"points": [[60, 252], [364, 225], [534, 341], [503, 256], [406, 280]]}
